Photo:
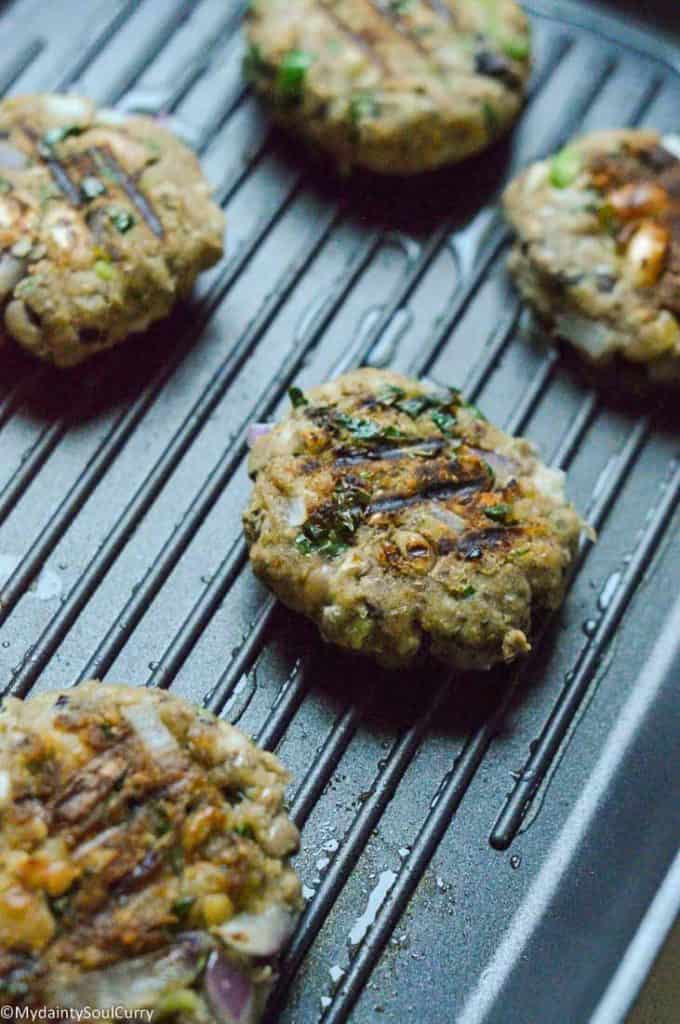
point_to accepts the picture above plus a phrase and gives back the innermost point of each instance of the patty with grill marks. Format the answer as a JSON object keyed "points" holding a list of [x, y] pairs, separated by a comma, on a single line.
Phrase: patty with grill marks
{"points": [[395, 86], [143, 856], [403, 523], [598, 248], [105, 222]]}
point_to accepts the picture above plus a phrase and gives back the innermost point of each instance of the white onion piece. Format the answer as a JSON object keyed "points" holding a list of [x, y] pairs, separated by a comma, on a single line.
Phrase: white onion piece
{"points": [[154, 735], [111, 116], [550, 482], [672, 144], [455, 522], [5, 789], [230, 993], [67, 107], [256, 430], [11, 158], [592, 337], [258, 934], [296, 512], [11, 272], [503, 466]]}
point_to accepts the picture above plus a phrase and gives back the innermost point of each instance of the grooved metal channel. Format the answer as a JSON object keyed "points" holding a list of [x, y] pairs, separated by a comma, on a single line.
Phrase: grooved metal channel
{"points": [[121, 485]]}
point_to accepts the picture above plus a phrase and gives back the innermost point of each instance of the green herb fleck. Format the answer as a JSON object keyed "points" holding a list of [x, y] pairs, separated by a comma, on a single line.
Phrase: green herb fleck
{"points": [[331, 528], [516, 47], [5, 185], [254, 65], [175, 857], [390, 394], [444, 421], [400, 6], [91, 188], [291, 75], [565, 167], [182, 906], [297, 398], [245, 830], [466, 591], [362, 107], [54, 136], [365, 430], [500, 513], [121, 219], [491, 121], [162, 824]]}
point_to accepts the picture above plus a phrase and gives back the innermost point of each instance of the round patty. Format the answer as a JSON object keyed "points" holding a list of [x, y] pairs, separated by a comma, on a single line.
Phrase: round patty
{"points": [[402, 522], [143, 855], [105, 222], [396, 86], [598, 247]]}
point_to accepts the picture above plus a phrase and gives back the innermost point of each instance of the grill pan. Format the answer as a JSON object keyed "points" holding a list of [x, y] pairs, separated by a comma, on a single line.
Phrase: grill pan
{"points": [[478, 850]]}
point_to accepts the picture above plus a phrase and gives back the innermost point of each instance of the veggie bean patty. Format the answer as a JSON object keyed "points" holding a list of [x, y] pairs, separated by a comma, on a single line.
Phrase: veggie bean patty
{"points": [[598, 247], [397, 518], [396, 86], [105, 222], [143, 856]]}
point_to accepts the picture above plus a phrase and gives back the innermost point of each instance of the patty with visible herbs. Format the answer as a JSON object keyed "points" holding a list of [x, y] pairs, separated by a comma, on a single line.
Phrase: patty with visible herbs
{"points": [[105, 222], [395, 86], [403, 523], [598, 247], [143, 856]]}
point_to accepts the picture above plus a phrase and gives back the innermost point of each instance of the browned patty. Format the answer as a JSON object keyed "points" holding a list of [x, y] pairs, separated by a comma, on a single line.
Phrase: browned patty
{"points": [[105, 222], [397, 86], [136, 834]]}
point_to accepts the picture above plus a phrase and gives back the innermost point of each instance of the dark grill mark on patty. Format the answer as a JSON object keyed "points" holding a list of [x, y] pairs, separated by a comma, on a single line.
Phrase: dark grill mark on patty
{"points": [[495, 65], [57, 169], [437, 490], [472, 545], [443, 10], [359, 39], [137, 198], [396, 26], [352, 456]]}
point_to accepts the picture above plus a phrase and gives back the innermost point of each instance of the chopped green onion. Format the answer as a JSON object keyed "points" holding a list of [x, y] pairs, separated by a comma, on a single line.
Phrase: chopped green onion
{"points": [[515, 47], [500, 513], [565, 167], [104, 270], [291, 76]]}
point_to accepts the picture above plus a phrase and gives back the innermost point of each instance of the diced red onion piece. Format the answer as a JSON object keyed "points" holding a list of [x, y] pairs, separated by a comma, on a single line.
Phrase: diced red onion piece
{"points": [[259, 934], [256, 430], [11, 158], [230, 993]]}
